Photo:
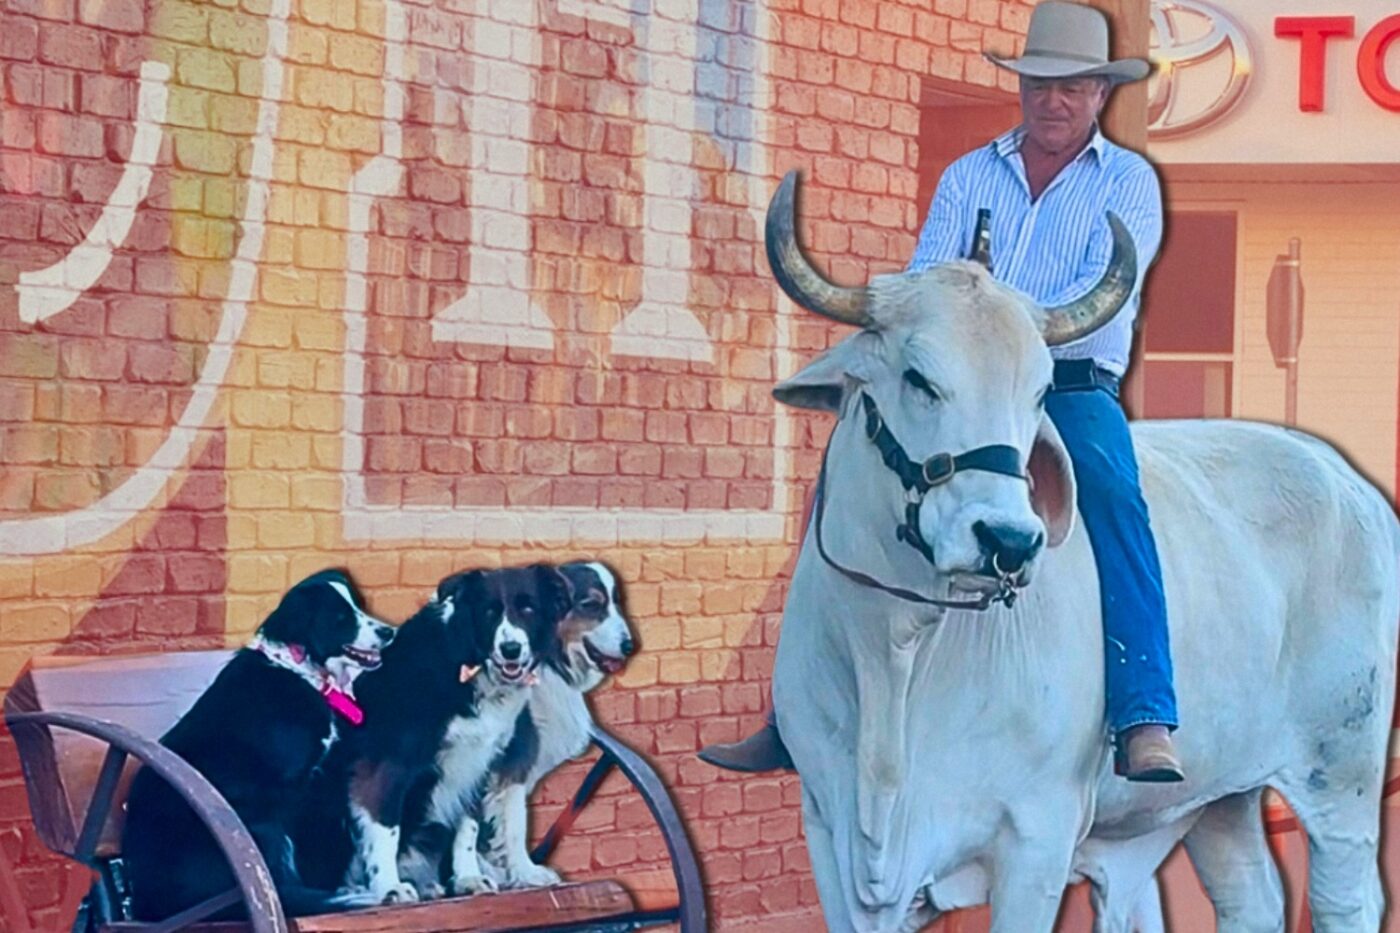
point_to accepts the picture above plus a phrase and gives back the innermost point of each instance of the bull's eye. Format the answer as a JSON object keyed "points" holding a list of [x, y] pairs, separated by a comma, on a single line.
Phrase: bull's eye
{"points": [[917, 380]]}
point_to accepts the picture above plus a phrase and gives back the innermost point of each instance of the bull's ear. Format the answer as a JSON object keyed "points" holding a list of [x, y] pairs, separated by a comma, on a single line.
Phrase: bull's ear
{"points": [[1052, 483], [822, 383]]}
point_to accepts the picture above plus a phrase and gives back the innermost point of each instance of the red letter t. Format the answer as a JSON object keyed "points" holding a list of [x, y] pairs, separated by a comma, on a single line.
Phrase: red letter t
{"points": [[1314, 31]]}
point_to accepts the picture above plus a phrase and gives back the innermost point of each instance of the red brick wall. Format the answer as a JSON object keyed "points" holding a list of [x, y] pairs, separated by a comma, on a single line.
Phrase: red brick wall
{"points": [[409, 286]]}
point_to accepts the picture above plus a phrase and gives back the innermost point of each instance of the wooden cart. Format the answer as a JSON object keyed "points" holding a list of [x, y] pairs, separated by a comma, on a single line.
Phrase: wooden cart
{"points": [[82, 725]]}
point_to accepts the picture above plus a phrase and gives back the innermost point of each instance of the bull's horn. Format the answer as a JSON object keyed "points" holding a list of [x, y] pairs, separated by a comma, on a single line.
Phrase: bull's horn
{"points": [[1085, 315], [803, 284]]}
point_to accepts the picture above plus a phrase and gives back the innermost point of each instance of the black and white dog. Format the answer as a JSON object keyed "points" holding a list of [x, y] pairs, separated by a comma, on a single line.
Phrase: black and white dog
{"points": [[594, 641], [258, 733], [436, 713], [529, 604]]}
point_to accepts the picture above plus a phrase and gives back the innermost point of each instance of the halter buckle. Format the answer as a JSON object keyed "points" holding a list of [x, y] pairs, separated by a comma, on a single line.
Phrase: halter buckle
{"points": [[938, 469]]}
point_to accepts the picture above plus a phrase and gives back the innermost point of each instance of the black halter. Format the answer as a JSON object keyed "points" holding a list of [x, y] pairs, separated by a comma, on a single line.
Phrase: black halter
{"points": [[922, 476], [938, 469]]}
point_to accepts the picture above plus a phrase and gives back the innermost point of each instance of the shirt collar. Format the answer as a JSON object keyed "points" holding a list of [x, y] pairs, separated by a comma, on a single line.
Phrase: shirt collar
{"points": [[1009, 143]]}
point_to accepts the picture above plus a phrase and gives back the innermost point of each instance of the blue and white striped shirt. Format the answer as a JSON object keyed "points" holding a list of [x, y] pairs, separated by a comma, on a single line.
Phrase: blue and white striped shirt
{"points": [[1056, 247]]}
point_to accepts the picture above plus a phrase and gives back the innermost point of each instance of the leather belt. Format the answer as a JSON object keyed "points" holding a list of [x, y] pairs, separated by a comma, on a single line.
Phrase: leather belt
{"points": [[1083, 376]]}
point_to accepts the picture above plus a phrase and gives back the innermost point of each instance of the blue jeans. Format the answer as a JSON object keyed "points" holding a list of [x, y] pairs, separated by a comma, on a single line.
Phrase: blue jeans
{"points": [[1137, 657]]}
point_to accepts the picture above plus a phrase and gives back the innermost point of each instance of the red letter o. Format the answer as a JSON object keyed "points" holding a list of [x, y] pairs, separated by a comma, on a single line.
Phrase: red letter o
{"points": [[1370, 63]]}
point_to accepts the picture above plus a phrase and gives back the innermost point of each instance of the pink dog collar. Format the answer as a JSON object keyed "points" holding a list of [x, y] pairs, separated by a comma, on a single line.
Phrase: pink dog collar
{"points": [[293, 658], [341, 702]]}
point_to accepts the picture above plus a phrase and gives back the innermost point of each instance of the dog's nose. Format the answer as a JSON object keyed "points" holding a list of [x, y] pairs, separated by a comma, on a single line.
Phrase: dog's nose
{"points": [[1007, 548], [386, 633], [627, 647], [510, 650]]}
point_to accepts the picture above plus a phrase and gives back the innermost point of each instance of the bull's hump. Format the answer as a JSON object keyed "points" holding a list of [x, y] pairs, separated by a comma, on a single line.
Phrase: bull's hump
{"points": [[1205, 442], [1262, 474]]}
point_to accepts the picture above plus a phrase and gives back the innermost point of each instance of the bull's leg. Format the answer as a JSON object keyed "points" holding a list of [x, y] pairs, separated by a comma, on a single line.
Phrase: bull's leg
{"points": [[1143, 915], [880, 776], [1231, 856], [1147, 912], [1028, 885], [826, 869], [1344, 881], [1124, 876]]}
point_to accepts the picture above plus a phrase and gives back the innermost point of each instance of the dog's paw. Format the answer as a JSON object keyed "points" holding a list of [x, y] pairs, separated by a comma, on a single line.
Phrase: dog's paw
{"points": [[405, 893], [496, 874], [473, 884], [534, 876]]}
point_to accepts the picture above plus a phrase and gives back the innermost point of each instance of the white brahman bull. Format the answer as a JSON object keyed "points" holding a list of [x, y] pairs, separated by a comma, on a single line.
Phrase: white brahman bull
{"points": [[951, 756]]}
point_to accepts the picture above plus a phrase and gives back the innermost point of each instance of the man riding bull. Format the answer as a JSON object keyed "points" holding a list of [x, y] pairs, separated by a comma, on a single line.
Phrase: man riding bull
{"points": [[1048, 184]]}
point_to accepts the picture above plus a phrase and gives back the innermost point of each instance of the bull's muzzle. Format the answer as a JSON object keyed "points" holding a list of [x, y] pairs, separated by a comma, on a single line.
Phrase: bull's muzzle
{"points": [[1007, 549]]}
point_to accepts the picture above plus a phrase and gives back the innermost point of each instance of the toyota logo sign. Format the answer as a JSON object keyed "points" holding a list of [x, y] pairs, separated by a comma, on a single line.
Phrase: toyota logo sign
{"points": [[1203, 65]]}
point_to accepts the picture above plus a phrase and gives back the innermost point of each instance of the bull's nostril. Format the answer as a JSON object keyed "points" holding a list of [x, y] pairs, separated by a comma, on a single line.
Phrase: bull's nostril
{"points": [[1009, 561], [627, 647], [985, 537], [1008, 550], [510, 650]]}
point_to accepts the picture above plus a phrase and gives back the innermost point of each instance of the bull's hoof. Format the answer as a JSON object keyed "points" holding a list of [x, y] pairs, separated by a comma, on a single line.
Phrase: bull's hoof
{"points": [[877, 891]]}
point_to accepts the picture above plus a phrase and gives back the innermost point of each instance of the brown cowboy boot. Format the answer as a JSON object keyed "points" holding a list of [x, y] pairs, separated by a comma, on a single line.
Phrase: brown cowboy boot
{"points": [[762, 751], [1149, 756]]}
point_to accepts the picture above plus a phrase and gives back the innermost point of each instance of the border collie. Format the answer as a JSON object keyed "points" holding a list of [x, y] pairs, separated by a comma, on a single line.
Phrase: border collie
{"points": [[528, 604], [257, 733], [594, 641], [456, 669]]}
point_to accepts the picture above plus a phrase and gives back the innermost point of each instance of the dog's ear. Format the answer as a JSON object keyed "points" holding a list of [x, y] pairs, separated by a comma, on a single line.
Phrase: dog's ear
{"points": [[340, 578], [568, 571], [318, 614], [459, 584], [471, 630], [556, 594], [286, 624], [330, 625]]}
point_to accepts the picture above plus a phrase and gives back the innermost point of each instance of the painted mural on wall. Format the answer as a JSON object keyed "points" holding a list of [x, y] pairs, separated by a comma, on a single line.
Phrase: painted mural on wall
{"points": [[471, 302]]}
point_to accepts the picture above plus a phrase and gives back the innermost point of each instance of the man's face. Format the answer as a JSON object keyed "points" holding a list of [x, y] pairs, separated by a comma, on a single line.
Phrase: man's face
{"points": [[1059, 112]]}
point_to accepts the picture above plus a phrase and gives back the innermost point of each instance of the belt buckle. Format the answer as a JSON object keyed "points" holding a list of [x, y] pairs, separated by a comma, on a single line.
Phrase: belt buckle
{"points": [[1075, 374]]}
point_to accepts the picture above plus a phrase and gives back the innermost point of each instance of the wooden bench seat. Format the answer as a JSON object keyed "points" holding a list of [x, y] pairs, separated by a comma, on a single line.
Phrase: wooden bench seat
{"points": [[84, 724], [482, 913]]}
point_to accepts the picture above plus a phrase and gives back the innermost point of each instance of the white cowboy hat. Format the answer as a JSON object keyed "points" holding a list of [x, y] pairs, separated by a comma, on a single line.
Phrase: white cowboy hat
{"points": [[1068, 40]]}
